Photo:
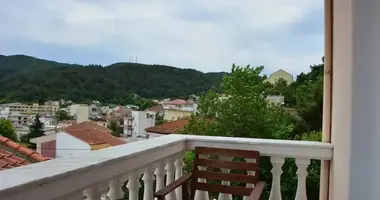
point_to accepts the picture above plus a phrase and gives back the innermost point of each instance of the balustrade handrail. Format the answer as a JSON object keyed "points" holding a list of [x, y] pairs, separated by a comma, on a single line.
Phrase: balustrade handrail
{"points": [[62, 176]]}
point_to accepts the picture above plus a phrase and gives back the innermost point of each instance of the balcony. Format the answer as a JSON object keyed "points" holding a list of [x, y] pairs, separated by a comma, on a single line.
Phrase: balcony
{"points": [[158, 160]]}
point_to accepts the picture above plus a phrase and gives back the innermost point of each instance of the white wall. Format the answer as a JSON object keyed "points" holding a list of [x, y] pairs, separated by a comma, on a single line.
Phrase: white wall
{"points": [[153, 135], [73, 109], [355, 127], [68, 145], [83, 113], [140, 122]]}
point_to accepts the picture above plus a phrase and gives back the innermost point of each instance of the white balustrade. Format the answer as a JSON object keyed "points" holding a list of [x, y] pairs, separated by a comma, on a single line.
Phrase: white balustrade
{"points": [[170, 170], [133, 185], [115, 191], [93, 193], [108, 169], [302, 165], [275, 193], [178, 174], [160, 176], [148, 179]]}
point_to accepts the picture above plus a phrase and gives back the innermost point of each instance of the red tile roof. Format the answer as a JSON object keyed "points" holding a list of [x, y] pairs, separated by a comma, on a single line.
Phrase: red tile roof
{"points": [[93, 134], [176, 102], [8, 157], [169, 127], [157, 108], [88, 125]]}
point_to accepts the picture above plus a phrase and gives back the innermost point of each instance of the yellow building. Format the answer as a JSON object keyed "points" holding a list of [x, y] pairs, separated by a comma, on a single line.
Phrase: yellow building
{"points": [[280, 74], [175, 114], [178, 109]]}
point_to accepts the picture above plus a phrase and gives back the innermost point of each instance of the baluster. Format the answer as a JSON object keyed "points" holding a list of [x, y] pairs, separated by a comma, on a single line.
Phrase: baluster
{"points": [[160, 176], [178, 174], [223, 196], [133, 185], [72, 196], [170, 178], [148, 179], [201, 195], [115, 191], [302, 173], [93, 193], [252, 173], [275, 193]]}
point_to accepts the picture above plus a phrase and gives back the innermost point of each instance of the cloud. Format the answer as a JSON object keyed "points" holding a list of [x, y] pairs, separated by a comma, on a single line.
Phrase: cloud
{"points": [[205, 35]]}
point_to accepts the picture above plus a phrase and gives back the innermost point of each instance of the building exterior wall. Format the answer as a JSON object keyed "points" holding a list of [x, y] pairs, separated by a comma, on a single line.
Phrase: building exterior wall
{"points": [[138, 122], [83, 114], [68, 145], [33, 109], [172, 114], [73, 110], [99, 146], [280, 74], [48, 149]]}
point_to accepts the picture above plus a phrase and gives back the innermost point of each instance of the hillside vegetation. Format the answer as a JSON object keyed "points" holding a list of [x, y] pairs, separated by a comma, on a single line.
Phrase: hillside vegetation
{"points": [[28, 79]]}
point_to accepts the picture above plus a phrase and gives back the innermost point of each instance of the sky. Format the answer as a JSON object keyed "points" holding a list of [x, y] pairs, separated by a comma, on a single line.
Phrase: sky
{"points": [[207, 35]]}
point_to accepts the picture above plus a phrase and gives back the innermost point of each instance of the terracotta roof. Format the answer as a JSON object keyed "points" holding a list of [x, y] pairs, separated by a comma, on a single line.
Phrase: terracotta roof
{"points": [[93, 134], [176, 102], [169, 127], [157, 108], [8, 158], [87, 125]]}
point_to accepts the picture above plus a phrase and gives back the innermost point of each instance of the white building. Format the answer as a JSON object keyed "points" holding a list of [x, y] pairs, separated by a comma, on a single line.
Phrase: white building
{"points": [[73, 109], [135, 126], [276, 99], [83, 113]]}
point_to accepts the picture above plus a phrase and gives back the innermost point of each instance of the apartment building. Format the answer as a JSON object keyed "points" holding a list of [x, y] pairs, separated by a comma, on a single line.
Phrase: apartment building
{"points": [[178, 109], [32, 109]]}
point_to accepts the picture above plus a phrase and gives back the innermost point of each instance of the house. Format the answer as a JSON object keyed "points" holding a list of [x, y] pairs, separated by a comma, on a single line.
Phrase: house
{"points": [[167, 128], [14, 155], [156, 109], [135, 125], [75, 139], [280, 74], [178, 109]]}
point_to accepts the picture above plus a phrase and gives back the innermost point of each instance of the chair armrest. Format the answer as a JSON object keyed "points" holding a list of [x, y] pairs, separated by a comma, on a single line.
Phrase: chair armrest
{"points": [[172, 186], [257, 190]]}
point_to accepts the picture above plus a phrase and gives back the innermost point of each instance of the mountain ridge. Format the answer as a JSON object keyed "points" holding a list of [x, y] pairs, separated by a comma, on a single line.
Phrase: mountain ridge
{"points": [[26, 79]]}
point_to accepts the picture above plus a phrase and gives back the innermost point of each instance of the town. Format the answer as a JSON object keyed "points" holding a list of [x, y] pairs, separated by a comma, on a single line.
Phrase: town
{"points": [[64, 121]]}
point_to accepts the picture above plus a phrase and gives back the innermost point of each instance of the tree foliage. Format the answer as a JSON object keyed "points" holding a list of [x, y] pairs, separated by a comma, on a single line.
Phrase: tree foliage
{"points": [[7, 130], [244, 112], [63, 115], [117, 130], [35, 130]]}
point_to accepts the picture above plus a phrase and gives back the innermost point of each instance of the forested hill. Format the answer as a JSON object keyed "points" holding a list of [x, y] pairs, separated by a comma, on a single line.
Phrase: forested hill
{"points": [[28, 79]]}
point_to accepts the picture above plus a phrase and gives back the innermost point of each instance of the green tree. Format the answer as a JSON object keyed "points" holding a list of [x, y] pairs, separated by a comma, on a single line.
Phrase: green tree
{"points": [[159, 118], [117, 130], [245, 113], [7, 130], [63, 115], [35, 130]]}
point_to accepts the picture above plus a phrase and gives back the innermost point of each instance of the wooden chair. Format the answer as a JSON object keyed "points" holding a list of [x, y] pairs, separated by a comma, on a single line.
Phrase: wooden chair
{"points": [[252, 193]]}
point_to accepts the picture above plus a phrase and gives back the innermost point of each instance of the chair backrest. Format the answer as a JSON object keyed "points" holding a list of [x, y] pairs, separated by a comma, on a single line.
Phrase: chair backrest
{"points": [[202, 160]]}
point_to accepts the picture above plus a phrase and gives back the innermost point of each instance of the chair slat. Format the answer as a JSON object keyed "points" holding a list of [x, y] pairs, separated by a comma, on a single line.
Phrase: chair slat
{"points": [[234, 190], [242, 178], [225, 164], [227, 152]]}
